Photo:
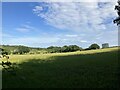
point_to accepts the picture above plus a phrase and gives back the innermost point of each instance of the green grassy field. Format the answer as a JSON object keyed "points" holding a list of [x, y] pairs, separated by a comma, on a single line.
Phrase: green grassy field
{"points": [[82, 69]]}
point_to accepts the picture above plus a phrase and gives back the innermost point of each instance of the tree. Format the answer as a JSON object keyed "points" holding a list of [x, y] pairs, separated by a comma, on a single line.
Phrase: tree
{"points": [[23, 50], [74, 48], [51, 47], [65, 49], [70, 48], [117, 7], [87, 49], [54, 49], [94, 46], [4, 51]]}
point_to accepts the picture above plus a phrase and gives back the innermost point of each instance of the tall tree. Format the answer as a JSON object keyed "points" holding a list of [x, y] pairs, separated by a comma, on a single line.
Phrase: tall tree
{"points": [[94, 46], [117, 7]]}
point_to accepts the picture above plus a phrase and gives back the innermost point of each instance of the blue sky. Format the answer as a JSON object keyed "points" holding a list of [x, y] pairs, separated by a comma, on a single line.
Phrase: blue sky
{"points": [[46, 24]]}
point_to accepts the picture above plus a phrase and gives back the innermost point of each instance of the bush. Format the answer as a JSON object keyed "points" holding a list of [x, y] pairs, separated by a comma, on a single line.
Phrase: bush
{"points": [[74, 48], [70, 48], [54, 49], [87, 49], [94, 46], [21, 50], [65, 49], [4, 51]]}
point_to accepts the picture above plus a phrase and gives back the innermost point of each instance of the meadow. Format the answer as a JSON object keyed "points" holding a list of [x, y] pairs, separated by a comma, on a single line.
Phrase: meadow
{"points": [[81, 69]]}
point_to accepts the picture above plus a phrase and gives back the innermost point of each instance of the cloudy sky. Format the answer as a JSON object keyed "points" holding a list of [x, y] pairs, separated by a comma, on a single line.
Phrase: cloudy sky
{"points": [[43, 24]]}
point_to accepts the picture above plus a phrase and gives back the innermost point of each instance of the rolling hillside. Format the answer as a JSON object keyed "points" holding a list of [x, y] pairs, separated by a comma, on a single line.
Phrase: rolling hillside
{"points": [[85, 69]]}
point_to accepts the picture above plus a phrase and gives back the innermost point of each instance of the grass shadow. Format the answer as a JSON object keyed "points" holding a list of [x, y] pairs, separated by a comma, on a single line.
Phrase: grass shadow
{"points": [[74, 71]]}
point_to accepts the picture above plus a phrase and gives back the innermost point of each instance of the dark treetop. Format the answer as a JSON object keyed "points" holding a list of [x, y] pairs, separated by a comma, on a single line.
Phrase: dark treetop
{"points": [[117, 7]]}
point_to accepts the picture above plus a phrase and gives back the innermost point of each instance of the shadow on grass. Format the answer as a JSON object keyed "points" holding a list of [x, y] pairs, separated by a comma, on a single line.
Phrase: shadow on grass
{"points": [[74, 71]]}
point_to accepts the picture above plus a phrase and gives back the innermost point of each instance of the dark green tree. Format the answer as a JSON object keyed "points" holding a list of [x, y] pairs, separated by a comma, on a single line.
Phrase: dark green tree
{"points": [[4, 51], [94, 46], [65, 48], [23, 50], [117, 7], [74, 48], [54, 49]]}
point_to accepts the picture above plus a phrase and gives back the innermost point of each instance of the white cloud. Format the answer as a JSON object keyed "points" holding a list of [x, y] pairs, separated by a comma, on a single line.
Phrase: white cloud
{"points": [[25, 28], [81, 17], [83, 41], [88, 23], [46, 40], [37, 8], [70, 35], [22, 29], [31, 41], [92, 21]]}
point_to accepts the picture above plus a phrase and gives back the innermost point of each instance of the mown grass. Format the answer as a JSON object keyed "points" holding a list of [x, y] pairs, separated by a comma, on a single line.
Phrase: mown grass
{"points": [[86, 69]]}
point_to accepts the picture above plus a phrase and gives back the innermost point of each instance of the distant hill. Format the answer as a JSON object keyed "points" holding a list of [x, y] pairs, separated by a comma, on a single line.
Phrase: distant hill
{"points": [[13, 47], [20, 49]]}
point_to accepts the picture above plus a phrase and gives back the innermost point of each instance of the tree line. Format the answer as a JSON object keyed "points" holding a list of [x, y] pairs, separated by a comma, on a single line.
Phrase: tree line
{"points": [[52, 49], [70, 48]]}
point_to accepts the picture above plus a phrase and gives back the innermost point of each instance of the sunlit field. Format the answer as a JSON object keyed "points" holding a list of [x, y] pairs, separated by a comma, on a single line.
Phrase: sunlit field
{"points": [[81, 69]]}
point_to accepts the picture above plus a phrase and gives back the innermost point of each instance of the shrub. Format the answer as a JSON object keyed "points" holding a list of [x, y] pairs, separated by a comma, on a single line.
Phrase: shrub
{"points": [[94, 46]]}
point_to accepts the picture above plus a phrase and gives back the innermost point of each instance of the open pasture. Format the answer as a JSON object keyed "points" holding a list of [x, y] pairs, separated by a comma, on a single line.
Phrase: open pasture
{"points": [[81, 69]]}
